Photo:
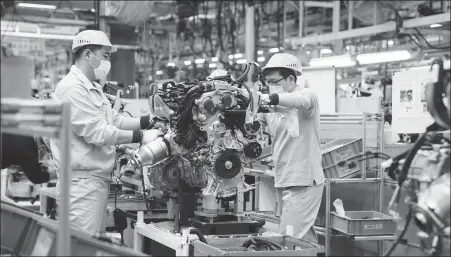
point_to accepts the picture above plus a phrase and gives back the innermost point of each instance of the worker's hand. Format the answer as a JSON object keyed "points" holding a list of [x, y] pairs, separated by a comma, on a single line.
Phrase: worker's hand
{"points": [[264, 98], [150, 135]]}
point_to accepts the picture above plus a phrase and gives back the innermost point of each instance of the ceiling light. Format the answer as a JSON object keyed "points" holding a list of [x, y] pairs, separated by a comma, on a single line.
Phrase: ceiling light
{"points": [[381, 57], [37, 35], [436, 25], [348, 47], [236, 56], [171, 64], [37, 6], [261, 59], [303, 45], [260, 52], [390, 42], [199, 61], [212, 65], [335, 61], [231, 56], [325, 51], [159, 72], [274, 50], [187, 62], [241, 61], [214, 59]]}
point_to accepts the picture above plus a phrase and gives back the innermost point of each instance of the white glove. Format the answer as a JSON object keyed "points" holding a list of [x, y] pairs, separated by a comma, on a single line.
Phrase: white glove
{"points": [[150, 135]]}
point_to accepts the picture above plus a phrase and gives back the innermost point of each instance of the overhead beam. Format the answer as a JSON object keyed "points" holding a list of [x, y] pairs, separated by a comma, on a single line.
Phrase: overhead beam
{"points": [[37, 19], [318, 4], [367, 31]]}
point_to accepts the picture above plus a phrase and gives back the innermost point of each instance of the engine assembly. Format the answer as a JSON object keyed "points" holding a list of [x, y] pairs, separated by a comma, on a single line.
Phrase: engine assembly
{"points": [[208, 135]]}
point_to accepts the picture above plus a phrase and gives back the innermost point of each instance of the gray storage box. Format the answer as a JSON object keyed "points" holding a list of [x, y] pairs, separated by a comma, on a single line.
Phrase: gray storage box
{"points": [[226, 246], [363, 223], [339, 150]]}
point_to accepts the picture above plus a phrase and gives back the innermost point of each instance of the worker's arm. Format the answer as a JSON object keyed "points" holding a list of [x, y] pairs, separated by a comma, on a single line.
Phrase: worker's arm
{"points": [[87, 122], [304, 100], [131, 123]]}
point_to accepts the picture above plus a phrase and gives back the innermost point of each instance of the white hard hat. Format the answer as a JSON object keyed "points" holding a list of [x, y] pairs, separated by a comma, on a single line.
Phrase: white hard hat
{"points": [[284, 60], [91, 37]]}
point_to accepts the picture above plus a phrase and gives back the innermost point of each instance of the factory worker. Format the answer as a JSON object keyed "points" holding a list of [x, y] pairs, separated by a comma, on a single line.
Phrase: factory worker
{"points": [[96, 129], [296, 150]]}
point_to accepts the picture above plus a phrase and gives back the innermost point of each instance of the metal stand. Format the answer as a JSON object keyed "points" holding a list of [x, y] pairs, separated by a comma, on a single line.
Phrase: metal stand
{"points": [[50, 119], [380, 180]]}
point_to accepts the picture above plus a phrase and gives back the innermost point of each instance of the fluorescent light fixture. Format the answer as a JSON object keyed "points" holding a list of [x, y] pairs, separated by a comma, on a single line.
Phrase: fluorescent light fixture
{"points": [[308, 52], [237, 56], [212, 65], [390, 42], [231, 56], [303, 45], [381, 57], [348, 47], [436, 25], [171, 64], [274, 50], [336, 61], [325, 51], [37, 35], [241, 61], [159, 72], [261, 59], [37, 6], [199, 61], [187, 62], [214, 59], [260, 52]]}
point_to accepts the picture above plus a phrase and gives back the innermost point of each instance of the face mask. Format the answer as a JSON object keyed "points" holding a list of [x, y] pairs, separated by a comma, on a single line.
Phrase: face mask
{"points": [[102, 71], [276, 89]]}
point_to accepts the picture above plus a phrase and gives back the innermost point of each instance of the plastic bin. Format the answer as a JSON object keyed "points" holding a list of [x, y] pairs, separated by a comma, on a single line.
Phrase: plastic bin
{"points": [[338, 150], [363, 223], [232, 246]]}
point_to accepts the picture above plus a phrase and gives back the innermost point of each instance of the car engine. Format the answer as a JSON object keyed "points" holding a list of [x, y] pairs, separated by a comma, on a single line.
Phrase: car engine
{"points": [[209, 134]]}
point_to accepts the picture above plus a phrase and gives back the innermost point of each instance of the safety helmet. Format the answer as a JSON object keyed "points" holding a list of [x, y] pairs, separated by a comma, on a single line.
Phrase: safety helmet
{"points": [[284, 60], [91, 37]]}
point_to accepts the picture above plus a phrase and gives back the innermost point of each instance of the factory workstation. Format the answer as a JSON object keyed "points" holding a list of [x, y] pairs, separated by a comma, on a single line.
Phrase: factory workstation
{"points": [[225, 128]]}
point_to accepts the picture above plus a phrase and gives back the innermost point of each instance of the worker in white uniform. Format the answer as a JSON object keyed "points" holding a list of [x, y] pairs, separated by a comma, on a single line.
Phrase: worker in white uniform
{"points": [[96, 129], [296, 149]]}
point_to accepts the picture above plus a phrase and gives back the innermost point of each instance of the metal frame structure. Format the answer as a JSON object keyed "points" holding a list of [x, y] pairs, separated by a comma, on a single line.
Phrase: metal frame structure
{"points": [[178, 242], [366, 31], [50, 119], [379, 117]]}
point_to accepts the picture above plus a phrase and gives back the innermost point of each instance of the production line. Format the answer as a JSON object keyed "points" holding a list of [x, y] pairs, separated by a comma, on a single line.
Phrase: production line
{"points": [[227, 155]]}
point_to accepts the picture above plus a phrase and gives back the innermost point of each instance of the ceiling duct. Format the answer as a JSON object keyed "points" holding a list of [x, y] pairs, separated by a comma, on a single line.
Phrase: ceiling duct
{"points": [[129, 12]]}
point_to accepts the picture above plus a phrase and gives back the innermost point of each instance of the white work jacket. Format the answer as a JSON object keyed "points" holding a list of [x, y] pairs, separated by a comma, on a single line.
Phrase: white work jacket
{"points": [[94, 126]]}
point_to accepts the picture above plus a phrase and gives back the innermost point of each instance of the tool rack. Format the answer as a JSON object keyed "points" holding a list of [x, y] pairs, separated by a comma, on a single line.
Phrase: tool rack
{"points": [[376, 142], [46, 118]]}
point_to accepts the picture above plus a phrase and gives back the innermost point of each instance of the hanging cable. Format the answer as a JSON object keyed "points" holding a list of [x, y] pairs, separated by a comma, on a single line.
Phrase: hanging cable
{"points": [[427, 42]]}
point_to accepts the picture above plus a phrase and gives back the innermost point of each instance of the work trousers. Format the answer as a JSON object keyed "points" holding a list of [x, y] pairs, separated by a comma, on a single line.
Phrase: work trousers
{"points": [[88, 203], [298, 206]]}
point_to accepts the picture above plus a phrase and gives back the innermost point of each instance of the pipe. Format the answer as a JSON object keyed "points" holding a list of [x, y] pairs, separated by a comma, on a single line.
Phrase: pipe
{"points": [[250, 38]]}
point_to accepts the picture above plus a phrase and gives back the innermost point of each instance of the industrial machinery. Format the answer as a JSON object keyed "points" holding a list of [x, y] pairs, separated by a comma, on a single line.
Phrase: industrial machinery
{"points": [[423, 172], [210, 133]]}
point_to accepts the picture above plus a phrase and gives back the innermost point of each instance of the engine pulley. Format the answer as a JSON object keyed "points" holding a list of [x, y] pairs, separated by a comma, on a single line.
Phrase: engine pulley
{"points": [[227, 165], [253, 150]]}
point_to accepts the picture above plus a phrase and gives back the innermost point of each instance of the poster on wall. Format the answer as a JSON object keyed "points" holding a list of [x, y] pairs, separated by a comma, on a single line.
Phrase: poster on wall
{"points": [[409, 113]]}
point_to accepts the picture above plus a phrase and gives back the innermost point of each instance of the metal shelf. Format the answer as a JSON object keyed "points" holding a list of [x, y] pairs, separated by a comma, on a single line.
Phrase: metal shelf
{"points": [[46, 118], [328, 232]]}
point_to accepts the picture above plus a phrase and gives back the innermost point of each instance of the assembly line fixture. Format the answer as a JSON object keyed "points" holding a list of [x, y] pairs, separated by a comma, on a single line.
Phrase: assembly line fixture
{"points": [[47, 118]]}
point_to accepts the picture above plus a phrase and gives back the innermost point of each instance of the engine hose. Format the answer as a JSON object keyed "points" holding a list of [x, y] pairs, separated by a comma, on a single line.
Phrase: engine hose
{"points": [[246, 70], [401, 234], [251, 97], [144, 189], [258, 242], [409, 158], [199, 234]]}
